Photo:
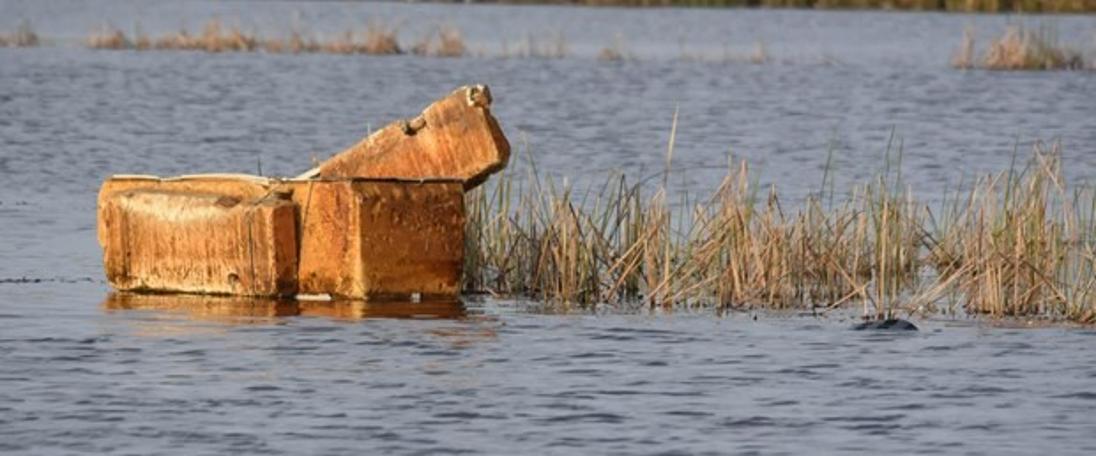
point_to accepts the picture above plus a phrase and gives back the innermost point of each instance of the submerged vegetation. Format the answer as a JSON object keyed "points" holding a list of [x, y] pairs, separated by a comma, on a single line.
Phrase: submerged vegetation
{"points": [[1019, 48], [1019, 243], [24, 36]]}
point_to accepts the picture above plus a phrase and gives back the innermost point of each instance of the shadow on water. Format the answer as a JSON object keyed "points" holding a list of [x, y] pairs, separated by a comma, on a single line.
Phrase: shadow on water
{"points": [[247, 310]]}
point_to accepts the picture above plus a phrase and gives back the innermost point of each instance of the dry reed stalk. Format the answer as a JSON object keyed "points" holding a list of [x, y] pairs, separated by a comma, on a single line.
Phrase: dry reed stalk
{"points": [[760, 54], [964, 57]]}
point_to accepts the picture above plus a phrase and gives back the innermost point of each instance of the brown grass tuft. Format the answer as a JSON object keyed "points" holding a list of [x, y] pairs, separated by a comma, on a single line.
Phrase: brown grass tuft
{"points": [[1020, 48], [1019, 244], [24, 36], [380, 40], [614, 52], [441, 41], [108, 37]]}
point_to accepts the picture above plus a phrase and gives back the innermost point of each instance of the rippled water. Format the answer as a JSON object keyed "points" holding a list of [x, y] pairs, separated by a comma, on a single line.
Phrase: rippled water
{"points": [[79, 373]]}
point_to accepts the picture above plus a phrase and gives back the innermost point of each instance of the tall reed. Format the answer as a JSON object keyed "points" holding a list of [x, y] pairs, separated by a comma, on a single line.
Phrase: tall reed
{"points": [[1018, 244], [736, 249], [1022, 243]]}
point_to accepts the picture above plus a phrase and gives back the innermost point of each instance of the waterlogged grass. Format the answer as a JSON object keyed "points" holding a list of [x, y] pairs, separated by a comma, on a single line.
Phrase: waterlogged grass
{"points": [[1020, 48], [1019, 243]]}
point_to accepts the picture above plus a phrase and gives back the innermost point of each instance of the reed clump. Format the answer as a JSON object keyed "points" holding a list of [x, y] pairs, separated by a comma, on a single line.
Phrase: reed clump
{"points": [[1020, 245], [297, 42], [739, 248], [380, 39], [23, 36], [441, 41], [214, 37], [376, 39], [108, 37], [1020, 48]]}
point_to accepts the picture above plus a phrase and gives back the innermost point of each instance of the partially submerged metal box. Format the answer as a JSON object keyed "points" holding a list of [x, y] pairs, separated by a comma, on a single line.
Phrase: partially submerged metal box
{"points": [[349, 238], [383, 219], [380, 239], [198, 242]]}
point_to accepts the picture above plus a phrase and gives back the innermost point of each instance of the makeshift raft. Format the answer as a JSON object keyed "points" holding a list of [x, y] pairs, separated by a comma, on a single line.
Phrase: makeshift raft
{"points": [[383, 220]]}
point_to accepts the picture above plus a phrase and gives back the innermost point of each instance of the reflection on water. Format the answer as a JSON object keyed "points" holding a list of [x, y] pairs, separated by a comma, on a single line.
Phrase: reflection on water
{"points": [[245, 310]]}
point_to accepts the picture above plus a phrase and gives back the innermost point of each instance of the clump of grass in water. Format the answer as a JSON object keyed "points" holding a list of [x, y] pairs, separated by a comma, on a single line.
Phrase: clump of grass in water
{"points": [[615, 51], [377, 39], [24, 36], [1023, 244], [615, 245], [214, 38], [1019, 244], [108, 37], [441, 41], [1020, 48], [380, 39]]}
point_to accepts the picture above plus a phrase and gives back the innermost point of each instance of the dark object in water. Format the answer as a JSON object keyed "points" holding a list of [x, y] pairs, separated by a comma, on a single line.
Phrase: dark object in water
{"points": [[890, 324]]}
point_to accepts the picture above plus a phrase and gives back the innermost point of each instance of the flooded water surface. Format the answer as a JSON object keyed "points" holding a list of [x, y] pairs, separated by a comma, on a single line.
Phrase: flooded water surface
{"points": [[83, 371]]}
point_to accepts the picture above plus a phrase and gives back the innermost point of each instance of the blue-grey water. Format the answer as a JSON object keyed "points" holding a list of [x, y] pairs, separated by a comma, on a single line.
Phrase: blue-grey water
{"points": [[80, 374]]}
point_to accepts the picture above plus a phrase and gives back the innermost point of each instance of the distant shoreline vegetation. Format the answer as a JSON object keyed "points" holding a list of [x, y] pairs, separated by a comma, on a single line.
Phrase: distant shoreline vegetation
{"points": [[988, 6], [1019, 48]]}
